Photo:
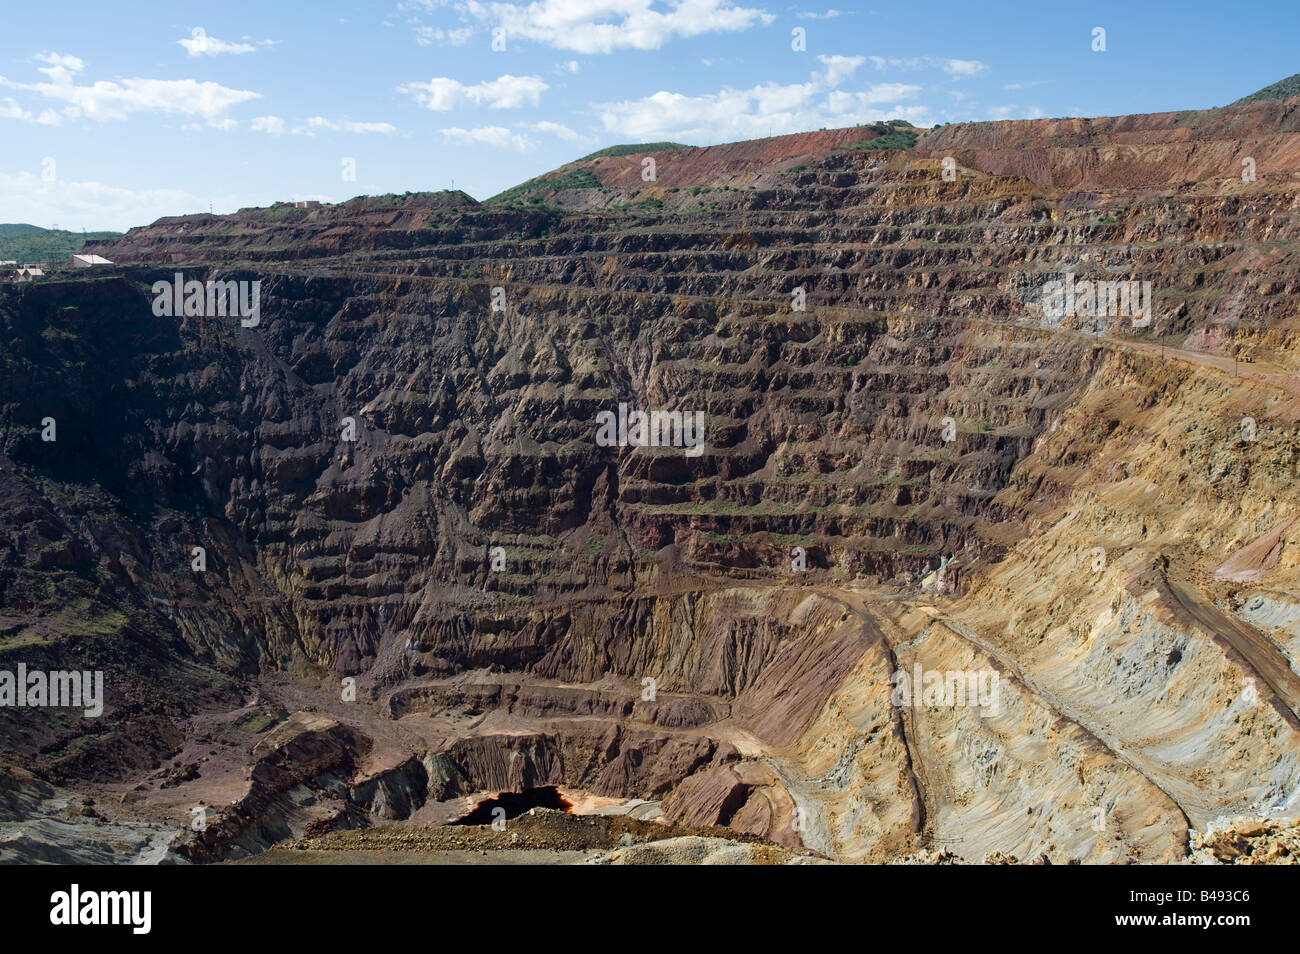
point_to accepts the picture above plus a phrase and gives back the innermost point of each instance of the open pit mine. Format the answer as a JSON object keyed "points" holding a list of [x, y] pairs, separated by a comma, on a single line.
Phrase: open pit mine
{"points": [[871, 495]]}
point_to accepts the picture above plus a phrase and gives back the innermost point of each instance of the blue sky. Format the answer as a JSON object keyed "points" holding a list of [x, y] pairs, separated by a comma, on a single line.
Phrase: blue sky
{"points": [[112, 115]]}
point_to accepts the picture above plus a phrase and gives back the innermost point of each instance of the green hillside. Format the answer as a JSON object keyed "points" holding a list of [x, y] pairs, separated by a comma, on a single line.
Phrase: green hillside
{"points": [[1283, 89], [887, 137], [534, 189], [30, 243], [627, 149]]}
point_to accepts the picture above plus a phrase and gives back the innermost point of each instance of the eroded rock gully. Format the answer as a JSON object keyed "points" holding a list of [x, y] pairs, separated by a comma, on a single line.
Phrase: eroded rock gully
{"points": [[921, 469]]}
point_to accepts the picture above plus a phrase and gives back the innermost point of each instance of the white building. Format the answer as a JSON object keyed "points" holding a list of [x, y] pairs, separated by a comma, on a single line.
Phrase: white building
{"points": [[89, 261]]}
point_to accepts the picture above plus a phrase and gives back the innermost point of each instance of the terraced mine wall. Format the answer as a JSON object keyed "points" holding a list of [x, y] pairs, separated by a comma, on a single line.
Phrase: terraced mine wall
{"points": [[395, 477], [824, 433]]}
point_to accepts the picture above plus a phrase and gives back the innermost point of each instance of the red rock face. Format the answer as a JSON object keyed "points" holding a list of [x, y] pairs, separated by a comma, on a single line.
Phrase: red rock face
{"points": [[1154, 150], [713, 164]]}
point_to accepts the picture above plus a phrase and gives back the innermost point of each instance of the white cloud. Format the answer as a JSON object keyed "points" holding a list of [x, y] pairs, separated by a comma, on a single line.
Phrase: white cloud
{"points": [[963, 67], [554, 129], [1015, 112], [505, 92], [762, 110], [320, 123], [267, 124], [569, 67], [427, 35], [881, 93], [828, 15], [602, 26], [276, 126], [840, 68], [106, 100], [25, 197], [497, 137], [954, 68], [60, 68], [198, 43], [1027, 85], [11, 110]]}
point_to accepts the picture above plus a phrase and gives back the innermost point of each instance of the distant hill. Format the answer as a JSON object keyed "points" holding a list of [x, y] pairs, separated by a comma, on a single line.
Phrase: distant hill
{"points": [[627, 148], [724, 167], [536, 191], [888, 137], [1283, 89], [31, 243]]}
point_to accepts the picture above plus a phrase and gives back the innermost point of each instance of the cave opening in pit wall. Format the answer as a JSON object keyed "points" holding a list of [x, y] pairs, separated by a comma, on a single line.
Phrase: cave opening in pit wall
{"points": [[515, 804]]}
